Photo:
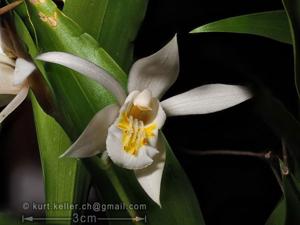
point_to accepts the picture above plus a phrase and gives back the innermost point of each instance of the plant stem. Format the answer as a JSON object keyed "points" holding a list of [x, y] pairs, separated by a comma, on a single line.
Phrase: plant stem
{"points": [[262, 155], [120, 190], [102, 167], [277, 175]]}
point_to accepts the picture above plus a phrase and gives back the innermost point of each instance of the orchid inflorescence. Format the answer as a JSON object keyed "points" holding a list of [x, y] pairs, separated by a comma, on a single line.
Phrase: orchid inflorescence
{"points": [[128, 131]]}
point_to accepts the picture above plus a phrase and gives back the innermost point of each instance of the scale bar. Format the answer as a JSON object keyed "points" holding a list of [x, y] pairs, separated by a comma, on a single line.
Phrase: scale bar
{"points": [[33, 219]]}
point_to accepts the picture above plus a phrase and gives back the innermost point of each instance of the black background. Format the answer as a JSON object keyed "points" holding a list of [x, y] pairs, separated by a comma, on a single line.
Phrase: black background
{"points": [[231, 189]]}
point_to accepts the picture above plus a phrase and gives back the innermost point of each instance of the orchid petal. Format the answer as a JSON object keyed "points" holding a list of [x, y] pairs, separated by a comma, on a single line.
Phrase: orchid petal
{"points": [[92, 140], [126, 160], [87, 69], [156, 72], [6, 80], [18, 99], [206, 99], [150, 177], [6, 60], [9, 45], [23, 69]]}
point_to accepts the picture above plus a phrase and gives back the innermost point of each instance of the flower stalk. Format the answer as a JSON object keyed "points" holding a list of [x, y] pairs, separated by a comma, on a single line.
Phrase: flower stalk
{"points": [[102, 166], [261, 155]]}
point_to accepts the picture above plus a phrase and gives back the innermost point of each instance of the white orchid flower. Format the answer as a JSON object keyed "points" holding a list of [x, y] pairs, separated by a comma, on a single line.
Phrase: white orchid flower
{"points": [[129, 130], [14, 72]]}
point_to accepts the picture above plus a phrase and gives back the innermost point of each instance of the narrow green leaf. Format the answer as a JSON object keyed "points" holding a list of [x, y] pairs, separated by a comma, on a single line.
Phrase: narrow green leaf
{"points": [[278, 216], [28, 42], [287, 211], [59, 175], [272, 24], [292, 8], [112, 23], [177, 195], [292, 195], [61, 178], [6, 218], [283, 124]]}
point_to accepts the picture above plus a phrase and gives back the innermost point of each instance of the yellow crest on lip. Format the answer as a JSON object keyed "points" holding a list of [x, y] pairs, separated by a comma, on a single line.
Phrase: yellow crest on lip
{"points": [[134, 134]]}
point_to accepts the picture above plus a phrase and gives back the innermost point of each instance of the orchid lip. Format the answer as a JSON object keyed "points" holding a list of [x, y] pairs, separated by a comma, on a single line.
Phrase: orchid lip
{"points": [[134, 132]]}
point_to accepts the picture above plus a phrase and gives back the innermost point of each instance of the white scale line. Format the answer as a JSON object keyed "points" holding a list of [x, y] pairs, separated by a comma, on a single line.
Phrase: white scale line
{"points": [[32, 219], [136, 219], [43, 219]]}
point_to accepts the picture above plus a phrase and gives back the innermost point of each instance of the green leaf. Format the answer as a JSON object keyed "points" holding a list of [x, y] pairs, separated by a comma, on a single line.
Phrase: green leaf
{"points": [[176, 188], [64, 181], [292, 195], [59, 175], [7, 218], [271, 24], [278, 216], [292, 8], [287, 211], [112, 23]]}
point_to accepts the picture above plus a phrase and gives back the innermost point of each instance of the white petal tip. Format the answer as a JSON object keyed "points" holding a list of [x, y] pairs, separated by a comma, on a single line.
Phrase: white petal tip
{"points": [[150, 178], [157, 202], [62, 155], [66, 154], [156, 72]]}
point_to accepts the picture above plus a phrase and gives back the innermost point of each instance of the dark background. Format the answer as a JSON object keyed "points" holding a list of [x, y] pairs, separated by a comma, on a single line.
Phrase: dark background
{"points": [[231, 189]]}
